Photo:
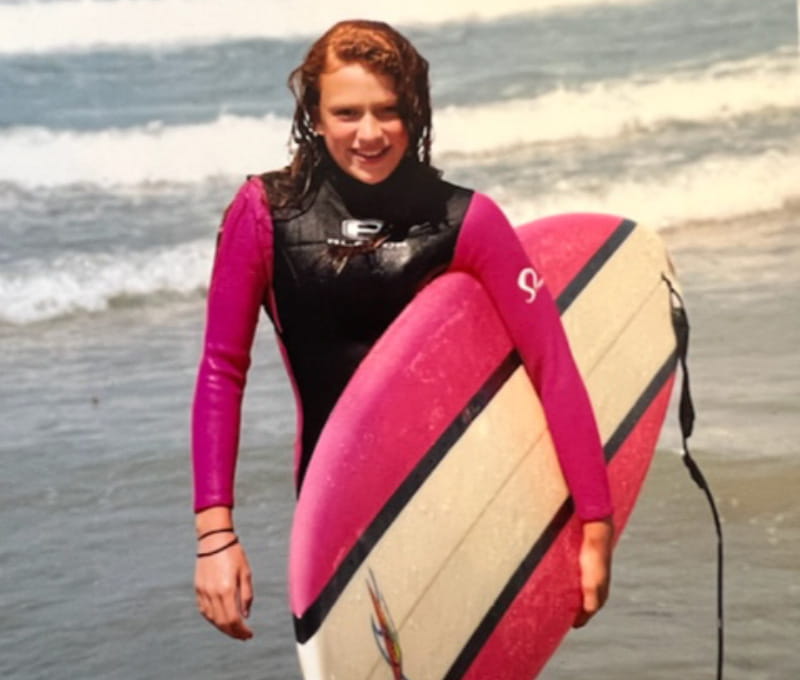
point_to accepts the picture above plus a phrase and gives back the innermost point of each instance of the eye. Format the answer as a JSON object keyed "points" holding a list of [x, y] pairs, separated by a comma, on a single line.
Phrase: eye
{"points": [[389, 112], [345, 113]]}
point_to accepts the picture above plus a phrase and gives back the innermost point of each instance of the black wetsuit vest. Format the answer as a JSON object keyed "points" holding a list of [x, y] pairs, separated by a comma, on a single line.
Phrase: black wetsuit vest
{"points": [[346, 263]]}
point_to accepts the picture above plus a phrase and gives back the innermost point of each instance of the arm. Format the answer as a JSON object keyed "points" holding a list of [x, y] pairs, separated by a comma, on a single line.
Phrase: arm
{"points": [[488, 249], [239, 280]]}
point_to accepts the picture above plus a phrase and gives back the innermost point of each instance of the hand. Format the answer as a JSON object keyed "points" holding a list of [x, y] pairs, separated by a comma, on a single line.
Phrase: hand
{"points": [[223, 581], [595, 565], [224, 590]]}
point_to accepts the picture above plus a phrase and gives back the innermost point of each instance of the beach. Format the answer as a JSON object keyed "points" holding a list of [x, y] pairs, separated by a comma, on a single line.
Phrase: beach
{"points": [[120, 149]]}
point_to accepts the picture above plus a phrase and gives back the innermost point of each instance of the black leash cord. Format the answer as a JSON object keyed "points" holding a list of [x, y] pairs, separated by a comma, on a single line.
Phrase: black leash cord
{"points": [[686, 416]]}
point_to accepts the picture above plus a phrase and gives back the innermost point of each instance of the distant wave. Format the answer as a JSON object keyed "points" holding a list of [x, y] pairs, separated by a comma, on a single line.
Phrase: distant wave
{"points": [[613, 108], [40, 290], [715, 189], [231, 145], [718, 188], [152, 153], [89, 24]]}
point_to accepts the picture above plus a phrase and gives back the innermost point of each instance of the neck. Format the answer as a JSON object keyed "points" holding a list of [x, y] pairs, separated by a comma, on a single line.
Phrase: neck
{"points": [[361, 197]]}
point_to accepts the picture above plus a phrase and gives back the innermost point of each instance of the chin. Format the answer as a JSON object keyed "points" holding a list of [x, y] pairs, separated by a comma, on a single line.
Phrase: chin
{"points": [[377, 174], [371, 177]]}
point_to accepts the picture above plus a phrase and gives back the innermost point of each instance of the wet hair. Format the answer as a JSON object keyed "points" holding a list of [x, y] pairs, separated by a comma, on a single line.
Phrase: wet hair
{"points": [[380, 49]]}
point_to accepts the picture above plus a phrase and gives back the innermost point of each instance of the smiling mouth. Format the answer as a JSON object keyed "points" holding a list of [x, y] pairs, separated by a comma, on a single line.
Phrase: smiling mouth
{"points": [[371, 155]]}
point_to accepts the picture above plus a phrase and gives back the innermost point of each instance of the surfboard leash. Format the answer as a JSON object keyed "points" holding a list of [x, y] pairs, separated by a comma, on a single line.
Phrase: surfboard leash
{"points": [[686, 414]]}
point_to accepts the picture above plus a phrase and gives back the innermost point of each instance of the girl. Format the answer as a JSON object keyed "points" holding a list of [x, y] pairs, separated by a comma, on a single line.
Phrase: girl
{"points": [[333, 247]]}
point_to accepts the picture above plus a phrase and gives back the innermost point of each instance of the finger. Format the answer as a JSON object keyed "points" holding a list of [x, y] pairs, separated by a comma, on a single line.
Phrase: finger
{"points": [[590, 606], [601, 588], [203, 607], [202, 593], [231, 618], [204, 603], [246, 593], [581, 619], [583, 616], [602, 594], [210, 602], [591, 600], [240, 630], [218, 616]]}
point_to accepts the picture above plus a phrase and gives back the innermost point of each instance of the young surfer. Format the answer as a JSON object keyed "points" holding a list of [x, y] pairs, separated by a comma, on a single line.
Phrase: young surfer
{"points": [[334, 247]]}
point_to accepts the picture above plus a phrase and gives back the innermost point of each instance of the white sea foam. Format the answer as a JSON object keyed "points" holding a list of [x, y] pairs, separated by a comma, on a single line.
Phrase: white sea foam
{"points": [[231, 145], [88, 24], [39, 290], [614, 108], [715, 189], [718, 188]]}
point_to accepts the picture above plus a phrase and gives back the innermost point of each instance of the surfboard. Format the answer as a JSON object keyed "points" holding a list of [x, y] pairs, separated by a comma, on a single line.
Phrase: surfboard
{"points": [[434, 537]]}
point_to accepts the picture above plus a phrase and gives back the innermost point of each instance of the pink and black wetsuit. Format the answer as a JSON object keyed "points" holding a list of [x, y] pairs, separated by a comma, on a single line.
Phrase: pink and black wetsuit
{"points": [[333, 273]]}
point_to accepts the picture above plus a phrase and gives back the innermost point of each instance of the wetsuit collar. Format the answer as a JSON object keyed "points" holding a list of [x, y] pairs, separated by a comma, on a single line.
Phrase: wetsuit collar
{"points": [[400, 199]]}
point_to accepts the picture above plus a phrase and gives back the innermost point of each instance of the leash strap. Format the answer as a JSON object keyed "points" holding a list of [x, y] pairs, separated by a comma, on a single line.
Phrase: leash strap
{"points": [[686, 415]]}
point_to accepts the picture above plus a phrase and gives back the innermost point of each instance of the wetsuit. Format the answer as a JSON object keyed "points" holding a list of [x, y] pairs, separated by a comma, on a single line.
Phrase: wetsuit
{"points": [[333, 273]]}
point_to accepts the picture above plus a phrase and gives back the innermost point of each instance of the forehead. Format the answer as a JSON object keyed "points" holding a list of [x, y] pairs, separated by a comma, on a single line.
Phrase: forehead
{"points": [[355, 82]]}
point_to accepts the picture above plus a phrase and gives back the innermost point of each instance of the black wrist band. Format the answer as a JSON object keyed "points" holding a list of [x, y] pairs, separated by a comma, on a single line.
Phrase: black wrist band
{"points": [[214, 531], [219, 550]]}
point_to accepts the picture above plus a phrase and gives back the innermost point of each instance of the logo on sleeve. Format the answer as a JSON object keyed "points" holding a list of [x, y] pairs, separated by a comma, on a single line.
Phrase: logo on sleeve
{"points": [[530, 282]]}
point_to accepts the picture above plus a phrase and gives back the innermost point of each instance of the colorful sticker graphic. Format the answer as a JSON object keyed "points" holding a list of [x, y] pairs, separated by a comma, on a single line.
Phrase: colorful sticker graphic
{"points": [[385, 631]]}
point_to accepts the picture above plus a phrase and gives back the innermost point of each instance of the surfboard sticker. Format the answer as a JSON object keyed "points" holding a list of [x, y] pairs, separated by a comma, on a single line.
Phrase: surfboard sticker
{"points": [[449, 528], [384, 629]]}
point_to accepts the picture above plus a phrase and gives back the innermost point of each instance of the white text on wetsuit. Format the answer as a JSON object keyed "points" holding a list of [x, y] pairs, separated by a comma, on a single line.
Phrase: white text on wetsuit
{"points": [[530, 281]]}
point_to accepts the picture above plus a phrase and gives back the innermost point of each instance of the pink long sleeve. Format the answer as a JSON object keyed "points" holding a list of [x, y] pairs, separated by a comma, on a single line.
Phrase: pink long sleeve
{"points": [[239, 282], [488, 249]]}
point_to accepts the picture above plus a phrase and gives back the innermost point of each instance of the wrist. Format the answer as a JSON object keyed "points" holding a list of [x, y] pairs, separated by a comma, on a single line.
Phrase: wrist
{"points": [[599, 530], [213, 519], [208, 551]]}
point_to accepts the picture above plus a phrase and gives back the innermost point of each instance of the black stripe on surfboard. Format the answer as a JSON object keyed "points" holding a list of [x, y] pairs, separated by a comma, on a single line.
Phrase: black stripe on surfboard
{"points": [[308, 624], [594, 265], [539, 549]]}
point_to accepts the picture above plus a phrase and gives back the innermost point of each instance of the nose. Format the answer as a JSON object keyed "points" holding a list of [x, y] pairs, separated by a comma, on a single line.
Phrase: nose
{"points": [[369, 130]]}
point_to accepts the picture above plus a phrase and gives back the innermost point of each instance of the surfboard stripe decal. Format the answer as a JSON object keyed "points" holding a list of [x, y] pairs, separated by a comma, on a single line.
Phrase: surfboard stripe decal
{"points": [[309, 623], [311, 620], [616, 440], [531, 560], [594, 265]]}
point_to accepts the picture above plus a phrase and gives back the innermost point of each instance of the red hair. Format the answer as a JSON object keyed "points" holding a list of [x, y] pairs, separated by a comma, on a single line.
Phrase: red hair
{"points": [[381, 49]]}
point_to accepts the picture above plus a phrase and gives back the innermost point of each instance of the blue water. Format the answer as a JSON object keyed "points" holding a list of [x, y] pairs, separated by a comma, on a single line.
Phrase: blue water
{"points": [[120, 145]]}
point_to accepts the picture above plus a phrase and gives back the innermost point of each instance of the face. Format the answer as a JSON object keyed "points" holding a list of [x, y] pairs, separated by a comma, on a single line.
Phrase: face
{"points": [[360, 122]]}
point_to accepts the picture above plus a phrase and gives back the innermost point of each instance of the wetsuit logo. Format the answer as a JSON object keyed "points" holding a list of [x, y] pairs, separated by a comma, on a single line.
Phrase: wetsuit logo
{"points": [[530, 282], [385, 631], [363, 230]]}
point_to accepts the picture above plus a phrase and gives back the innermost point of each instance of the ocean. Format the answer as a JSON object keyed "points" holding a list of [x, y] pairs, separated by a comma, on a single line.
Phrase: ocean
{"points": [[126, 127]]}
